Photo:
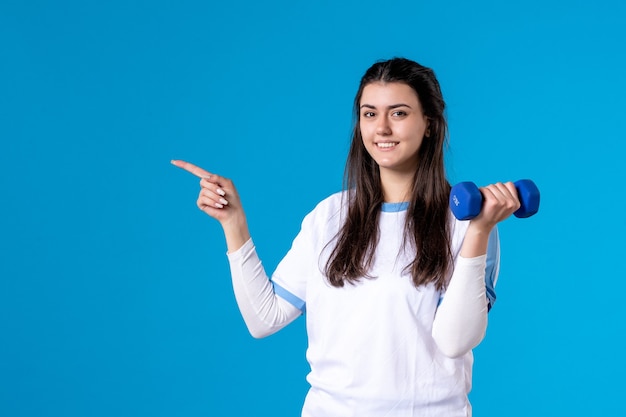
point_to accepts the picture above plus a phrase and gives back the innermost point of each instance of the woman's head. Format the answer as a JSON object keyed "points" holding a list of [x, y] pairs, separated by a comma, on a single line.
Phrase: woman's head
{"points": [[424, 84]]}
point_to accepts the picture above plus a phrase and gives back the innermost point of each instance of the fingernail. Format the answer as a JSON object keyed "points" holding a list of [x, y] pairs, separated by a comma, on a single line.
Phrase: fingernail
{"points": [[223, 201], [220, 192], [218, 205]]}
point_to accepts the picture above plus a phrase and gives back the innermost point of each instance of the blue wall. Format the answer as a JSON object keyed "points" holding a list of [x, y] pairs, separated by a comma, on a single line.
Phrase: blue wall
{"points": [[115, 296]]}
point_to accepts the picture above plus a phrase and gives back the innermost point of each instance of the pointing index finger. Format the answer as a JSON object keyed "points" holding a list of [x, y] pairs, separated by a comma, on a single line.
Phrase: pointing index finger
{"points": [[191, 168]]}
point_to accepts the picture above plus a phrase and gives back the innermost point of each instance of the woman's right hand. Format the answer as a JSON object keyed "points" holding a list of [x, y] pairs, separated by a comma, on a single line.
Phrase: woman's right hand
{"points": [[219, 199]]}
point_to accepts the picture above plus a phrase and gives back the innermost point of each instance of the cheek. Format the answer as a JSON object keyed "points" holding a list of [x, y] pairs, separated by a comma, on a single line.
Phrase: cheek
{"points": [[362, 129], [366, 130]]}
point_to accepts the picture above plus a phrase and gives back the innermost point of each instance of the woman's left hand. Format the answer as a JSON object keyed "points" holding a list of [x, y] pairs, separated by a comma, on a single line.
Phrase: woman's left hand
{"points": [[500, 200]]}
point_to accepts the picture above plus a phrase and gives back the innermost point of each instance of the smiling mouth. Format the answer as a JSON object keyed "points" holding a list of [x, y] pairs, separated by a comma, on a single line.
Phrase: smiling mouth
{"points": [[386, 145]]}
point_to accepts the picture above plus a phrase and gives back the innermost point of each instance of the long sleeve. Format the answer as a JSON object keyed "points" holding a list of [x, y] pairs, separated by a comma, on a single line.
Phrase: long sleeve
{"points": [[263, 311], [461, 319]]}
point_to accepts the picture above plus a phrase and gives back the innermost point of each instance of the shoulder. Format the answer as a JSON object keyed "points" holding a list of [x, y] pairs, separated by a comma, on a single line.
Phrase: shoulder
{"points": [[334, 200], [327, 214], [331, 205]]}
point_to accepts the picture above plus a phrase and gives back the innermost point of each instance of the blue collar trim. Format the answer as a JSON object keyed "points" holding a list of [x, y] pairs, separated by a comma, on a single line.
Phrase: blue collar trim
{"points": [[395, 207]]}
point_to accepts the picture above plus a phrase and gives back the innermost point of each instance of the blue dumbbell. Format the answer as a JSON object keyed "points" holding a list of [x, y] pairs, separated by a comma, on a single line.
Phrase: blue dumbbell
{"points": [[466, 200]]}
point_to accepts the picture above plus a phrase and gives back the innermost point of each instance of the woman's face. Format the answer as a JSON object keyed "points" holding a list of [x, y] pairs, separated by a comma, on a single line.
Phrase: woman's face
{"points": [[392, 125]]}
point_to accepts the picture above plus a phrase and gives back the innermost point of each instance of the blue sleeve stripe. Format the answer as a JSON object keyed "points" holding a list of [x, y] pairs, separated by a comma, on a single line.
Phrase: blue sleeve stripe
{"points": [[493, 266], [289, 297]]}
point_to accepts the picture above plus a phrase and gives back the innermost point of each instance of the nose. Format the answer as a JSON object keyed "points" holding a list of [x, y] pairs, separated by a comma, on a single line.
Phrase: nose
{"points": [[383, 128]]}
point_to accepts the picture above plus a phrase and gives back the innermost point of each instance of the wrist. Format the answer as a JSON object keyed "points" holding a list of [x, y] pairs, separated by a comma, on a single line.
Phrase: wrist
{"points": [[236, 232], [475, 241], [480, 228]]}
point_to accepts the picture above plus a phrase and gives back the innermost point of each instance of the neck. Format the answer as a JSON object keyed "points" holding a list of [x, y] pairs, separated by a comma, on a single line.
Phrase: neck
{"points": [[396, 186]]}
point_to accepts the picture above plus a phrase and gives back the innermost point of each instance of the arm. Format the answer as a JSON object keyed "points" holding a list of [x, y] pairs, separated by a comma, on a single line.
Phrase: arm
{"points": [[461, 319], [263, 311]]}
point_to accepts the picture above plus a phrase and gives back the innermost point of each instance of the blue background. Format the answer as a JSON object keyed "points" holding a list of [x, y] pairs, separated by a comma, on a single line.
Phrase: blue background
{"points": [[115, 294]]}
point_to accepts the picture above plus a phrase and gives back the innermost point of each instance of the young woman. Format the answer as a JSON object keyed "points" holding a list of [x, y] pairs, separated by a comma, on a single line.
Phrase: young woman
{"points": [[395, 290]]}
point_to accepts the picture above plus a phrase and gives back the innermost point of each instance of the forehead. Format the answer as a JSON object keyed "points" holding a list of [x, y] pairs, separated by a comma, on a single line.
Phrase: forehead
{"points": [[383, 94]]}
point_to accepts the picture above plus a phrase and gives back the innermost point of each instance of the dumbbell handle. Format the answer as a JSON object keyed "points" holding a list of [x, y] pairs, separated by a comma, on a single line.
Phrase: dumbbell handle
{"points": [[466, 199]]}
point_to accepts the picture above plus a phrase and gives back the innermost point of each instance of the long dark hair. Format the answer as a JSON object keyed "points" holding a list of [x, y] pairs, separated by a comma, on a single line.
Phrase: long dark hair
{"points": [[427, 229]]}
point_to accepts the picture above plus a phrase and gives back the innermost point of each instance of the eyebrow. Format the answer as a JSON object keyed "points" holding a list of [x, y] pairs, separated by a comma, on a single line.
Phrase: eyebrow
{"points": [[393, 106]]}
